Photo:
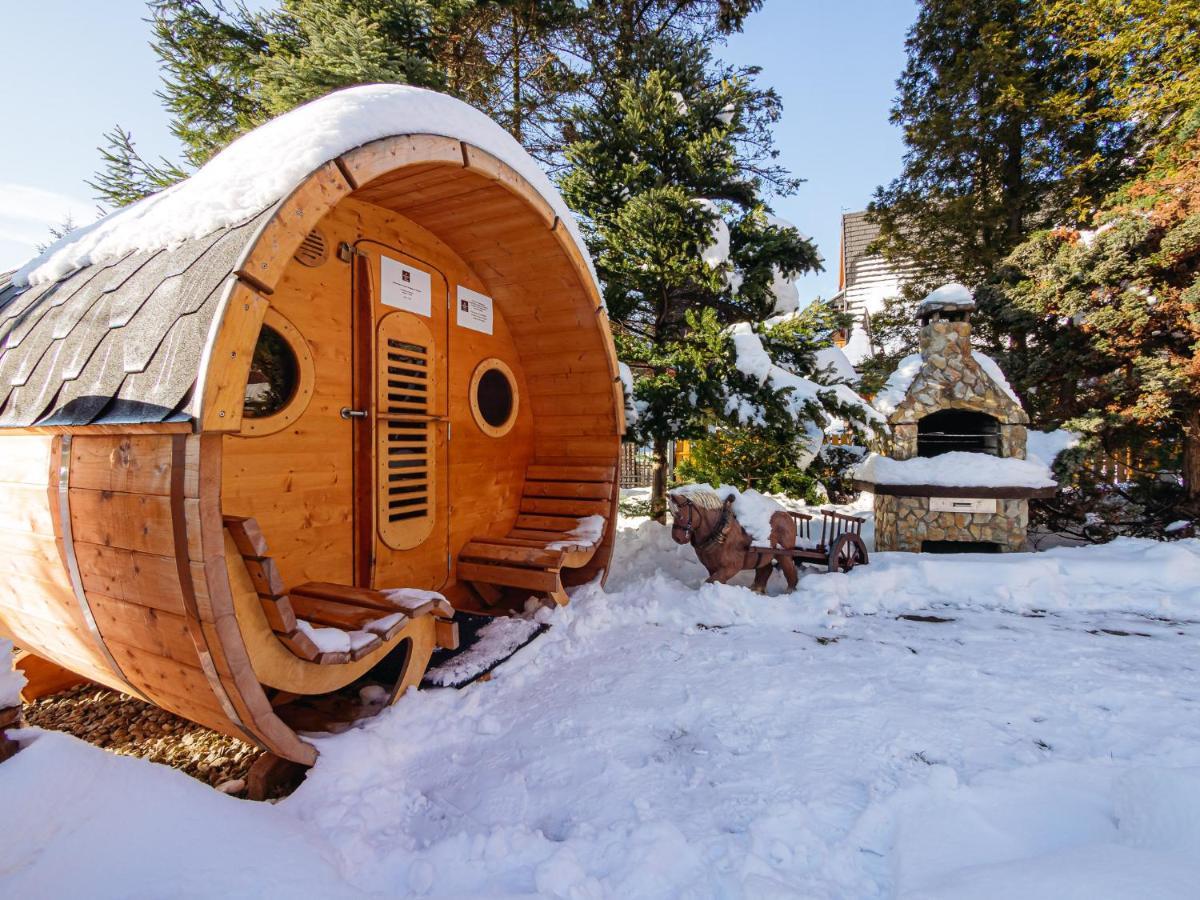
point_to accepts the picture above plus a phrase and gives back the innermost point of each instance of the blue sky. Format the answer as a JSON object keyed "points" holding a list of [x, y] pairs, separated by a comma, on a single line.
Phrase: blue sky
{"points": [[87, 66]]}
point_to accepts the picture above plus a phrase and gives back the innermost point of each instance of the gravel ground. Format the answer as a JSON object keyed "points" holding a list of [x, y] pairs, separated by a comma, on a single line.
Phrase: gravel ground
{"points": [[124, 725]]}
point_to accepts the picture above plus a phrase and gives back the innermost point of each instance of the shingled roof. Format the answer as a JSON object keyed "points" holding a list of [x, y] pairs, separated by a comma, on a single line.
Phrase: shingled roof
{"points": [[119, 342]]}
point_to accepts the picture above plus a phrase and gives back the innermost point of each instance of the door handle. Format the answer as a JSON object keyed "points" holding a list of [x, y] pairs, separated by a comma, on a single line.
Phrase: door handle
{"points": [[348, 413]]}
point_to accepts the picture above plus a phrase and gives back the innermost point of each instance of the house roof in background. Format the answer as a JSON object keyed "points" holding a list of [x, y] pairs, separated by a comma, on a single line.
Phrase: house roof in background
{"points": [[867, 278]]}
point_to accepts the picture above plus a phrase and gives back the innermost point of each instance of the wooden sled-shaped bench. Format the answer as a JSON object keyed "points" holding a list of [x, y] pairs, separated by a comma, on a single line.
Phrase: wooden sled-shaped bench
{"points": [[550, 534], [370, 618]]}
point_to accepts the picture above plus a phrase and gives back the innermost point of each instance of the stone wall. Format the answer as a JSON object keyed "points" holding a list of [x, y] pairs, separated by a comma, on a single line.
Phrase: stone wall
{"points": [[902, 523], [950, 378]]}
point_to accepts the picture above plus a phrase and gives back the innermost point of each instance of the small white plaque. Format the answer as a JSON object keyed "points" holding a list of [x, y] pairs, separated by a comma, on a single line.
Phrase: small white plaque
{"points": [[404, 287], [474, 310], [962, 504]]}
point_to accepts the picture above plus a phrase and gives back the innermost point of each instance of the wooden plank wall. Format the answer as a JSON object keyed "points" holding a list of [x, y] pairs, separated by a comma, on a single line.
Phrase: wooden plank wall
{"points": [[551, 313], [298, 482], [38, 609], [530, 265], [138, 506], [123, 523]]}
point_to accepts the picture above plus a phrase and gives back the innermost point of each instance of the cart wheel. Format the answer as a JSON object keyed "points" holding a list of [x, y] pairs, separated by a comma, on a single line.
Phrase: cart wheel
{"points": [[848, 551]]}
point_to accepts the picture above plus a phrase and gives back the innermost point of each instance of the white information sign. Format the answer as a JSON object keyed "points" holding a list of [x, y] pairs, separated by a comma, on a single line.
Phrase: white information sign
{"points": [[962, 505], [474, 310], [404, 287]]}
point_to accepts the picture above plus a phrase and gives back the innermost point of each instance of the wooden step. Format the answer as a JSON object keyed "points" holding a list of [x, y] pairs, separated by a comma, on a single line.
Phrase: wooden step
{"points": [[534, 557], [265, 575], [247, 536], [387, 633], [537, 472], [437, 606], [369, 647], [373, 599], [539, 537], [279, 613], [553, 506], [586, 490], [558, 524], [300, 644], [510, 576], [342, 593]]}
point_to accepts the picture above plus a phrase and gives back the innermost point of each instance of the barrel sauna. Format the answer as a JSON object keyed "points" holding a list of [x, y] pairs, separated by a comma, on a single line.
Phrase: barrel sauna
{"points": [[216, 455]]}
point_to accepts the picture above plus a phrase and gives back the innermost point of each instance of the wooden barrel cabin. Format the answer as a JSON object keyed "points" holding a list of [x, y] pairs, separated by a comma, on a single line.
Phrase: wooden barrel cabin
{"points": [[239, 469]]}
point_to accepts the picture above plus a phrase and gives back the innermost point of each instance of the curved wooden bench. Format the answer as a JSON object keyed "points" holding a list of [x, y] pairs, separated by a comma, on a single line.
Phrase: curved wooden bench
{"points": [[371, 618], [541, 544]]}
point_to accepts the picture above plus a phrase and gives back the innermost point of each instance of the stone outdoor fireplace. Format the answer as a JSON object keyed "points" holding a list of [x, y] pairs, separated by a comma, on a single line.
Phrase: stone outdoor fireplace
{"points": [[950, 399]]}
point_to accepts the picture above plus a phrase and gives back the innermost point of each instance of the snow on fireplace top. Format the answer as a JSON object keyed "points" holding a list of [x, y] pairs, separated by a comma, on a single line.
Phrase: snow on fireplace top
{"points": [[956, 469], [266, 164], [948, 295], [892, 394]]}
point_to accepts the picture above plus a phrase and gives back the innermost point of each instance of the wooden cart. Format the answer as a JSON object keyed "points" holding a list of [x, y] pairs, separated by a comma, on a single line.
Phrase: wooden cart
{"points": [[839, 548]]}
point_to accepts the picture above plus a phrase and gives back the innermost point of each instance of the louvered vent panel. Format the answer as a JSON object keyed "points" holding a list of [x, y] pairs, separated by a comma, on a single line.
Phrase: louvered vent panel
{"points": [[406, 449], [314, 249]]}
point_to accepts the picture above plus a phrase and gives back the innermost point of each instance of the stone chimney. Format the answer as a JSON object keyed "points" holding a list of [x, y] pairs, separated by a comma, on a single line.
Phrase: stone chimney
{"points": [[944, 317]]}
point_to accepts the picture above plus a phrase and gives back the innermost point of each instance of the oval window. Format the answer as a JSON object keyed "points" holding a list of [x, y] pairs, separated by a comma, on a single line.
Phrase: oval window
{"points": [[274, 376], [494, 397]]}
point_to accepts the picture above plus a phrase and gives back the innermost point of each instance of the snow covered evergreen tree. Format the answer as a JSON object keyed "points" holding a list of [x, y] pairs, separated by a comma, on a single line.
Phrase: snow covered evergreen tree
{"points": [[668, 170]]}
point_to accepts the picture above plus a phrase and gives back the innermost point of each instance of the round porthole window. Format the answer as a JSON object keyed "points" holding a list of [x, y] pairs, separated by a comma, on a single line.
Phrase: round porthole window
{"points": [[280, 383], [274, 375], [494, 397]]}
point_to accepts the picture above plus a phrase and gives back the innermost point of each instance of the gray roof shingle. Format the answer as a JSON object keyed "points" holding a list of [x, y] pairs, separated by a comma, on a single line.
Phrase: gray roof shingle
{"points": [[115, 343]]}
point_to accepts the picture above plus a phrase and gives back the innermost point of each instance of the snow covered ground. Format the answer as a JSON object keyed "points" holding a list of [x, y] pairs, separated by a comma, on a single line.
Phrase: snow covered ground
{"points": [[666, 739]]}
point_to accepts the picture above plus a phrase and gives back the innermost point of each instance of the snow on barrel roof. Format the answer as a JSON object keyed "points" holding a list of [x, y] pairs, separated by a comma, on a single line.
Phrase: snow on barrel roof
{"points": [[110, 324], [265, 165]]}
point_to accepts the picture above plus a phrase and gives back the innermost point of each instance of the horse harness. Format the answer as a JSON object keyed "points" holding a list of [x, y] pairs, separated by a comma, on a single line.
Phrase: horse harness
{"points": [[719, 534]]}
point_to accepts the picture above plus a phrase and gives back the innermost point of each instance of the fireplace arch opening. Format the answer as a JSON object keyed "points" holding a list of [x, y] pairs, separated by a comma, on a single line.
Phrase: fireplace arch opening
{"points": [[958, 429]]}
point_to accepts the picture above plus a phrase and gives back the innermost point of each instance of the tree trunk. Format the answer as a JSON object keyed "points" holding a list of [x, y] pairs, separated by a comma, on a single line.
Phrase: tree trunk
{"points": [[1191, 456], [517, 113], [658, 481]]}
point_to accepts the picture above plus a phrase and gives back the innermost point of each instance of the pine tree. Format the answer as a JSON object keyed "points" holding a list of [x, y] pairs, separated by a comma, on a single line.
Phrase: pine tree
{"points": [[126, 176], [227, 69], [323, 45], [1128, 295], [526, 63], [1144, 51], [664, 157], [509, 59], [997, 135]]}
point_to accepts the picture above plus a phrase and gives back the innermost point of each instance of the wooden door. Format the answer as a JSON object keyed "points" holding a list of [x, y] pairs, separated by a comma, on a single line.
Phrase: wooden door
{"points": [[401, 444]]}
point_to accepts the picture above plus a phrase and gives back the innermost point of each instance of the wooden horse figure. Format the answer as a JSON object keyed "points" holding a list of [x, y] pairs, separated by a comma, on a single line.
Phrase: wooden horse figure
{"points": [[724, 546]]}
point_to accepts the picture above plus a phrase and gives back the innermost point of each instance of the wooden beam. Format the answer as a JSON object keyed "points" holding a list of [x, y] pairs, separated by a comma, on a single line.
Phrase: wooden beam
{"points": [[509, 576], [936, 490], [223, 382]]}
